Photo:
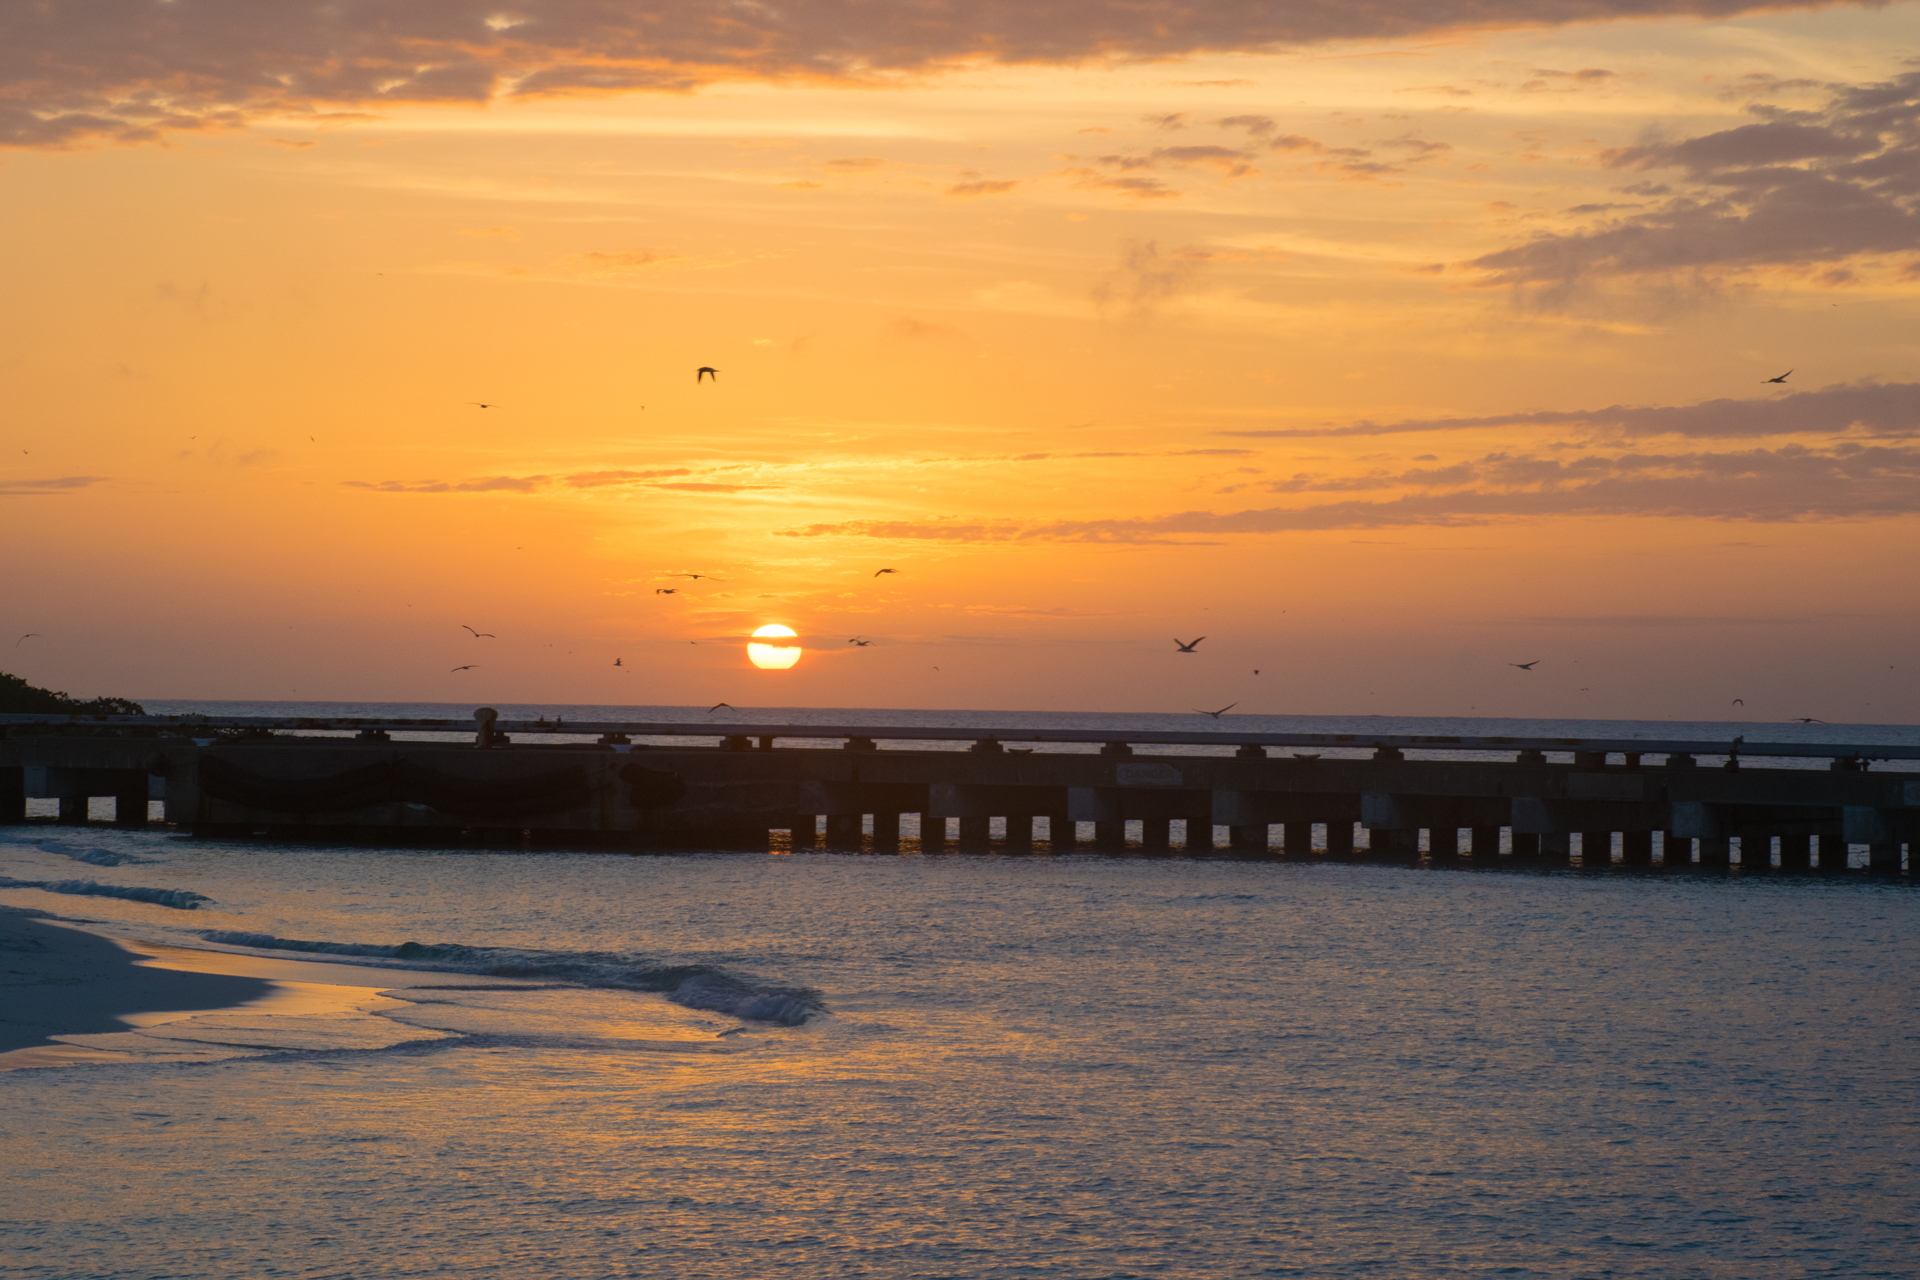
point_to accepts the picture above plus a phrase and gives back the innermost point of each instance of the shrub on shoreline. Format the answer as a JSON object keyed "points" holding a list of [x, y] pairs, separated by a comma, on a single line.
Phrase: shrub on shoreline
{"points": [[17, 697]]}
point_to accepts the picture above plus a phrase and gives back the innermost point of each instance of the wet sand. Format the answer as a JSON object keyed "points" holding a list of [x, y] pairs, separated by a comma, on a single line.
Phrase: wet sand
{"points": [[59, 980]]}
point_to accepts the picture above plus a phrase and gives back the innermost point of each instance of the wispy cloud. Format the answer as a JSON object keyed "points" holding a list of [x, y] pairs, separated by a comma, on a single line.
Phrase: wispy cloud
{"points": [[1789, 484], [1890, 409], [41, 488]]}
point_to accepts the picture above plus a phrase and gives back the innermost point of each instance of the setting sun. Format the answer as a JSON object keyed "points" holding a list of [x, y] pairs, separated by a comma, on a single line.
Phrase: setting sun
{"points": [[774, 657]]}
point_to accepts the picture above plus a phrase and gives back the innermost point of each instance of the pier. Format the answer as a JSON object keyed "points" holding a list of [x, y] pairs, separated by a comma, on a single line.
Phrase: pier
{"points": [[1590, 803]]}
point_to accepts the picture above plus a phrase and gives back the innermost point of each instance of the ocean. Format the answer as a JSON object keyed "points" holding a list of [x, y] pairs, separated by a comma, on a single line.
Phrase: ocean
{"points": [[953, 1065]]}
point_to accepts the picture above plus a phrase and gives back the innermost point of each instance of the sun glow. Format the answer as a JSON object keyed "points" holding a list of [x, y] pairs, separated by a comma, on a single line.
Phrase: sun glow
{"points": [[774, 657]]}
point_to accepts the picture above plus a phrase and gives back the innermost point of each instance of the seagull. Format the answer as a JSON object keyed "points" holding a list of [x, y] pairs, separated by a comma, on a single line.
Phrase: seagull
{"points": [[878, 572], [470, 666], [484, 406], [1215, 714], [666, 591], [31, 635], [479, 635], [619, 662], [1256, 671], [705, 371], [1809, 720], [716, 706], [862, 643], [692, 575], [1782, 378], [1738, 702], [1525, 666], [1186, 646]]}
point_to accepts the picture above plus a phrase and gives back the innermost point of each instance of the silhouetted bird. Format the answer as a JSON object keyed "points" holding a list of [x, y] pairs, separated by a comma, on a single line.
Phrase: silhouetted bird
{"points": [[705, 371], [479, 635], [1739, 702], [31, 635], [716, 706], [1216, 714], [618, 662], [484, 406], [666, 591], [878, 572], [1810, 720], [1782, 378], [1186, 646], [1525, 666], [470, 666], [862, 643], [692, 575]]}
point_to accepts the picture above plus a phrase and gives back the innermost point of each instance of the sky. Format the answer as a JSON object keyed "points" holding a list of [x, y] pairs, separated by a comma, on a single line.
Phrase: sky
{"points": [[1384, 345]]}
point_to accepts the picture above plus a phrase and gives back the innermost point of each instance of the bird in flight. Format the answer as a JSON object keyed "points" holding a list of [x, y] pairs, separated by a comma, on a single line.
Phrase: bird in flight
{"points": [[1216, 714], [705, 371], [862, 643], [470, 666], [1525, 666], [484, 406], [619, 662], [479, 635], [1782, 378], [1809, 720], [1739, 702], [1186, 646], [716, 706], [666, 591], [31, 635], [692, 575], [878, 572]]}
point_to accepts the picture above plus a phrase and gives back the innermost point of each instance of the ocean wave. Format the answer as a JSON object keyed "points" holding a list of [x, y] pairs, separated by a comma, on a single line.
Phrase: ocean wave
{"points": [[692, 986], [182, 899]]}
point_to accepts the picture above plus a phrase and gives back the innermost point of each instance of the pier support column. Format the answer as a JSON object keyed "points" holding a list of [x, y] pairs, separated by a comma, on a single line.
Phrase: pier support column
{"points": [[1796, 852], [1675, 851], [1716, 853], [1340, 838], [130, 807], [1156, 833], [1396, 843], [976, 833], [1443, 842], [1200, 834], [1557, 847], [73, 811], [1248, 837], [1484, 843], [1833, 853], [1636, 848], [1756, 853], [886, 830], [843, 829], [1110, 835], [805, 830], [13, 795], [1526, 844], [1596, 849], [1062, 833], [1883, 857]]}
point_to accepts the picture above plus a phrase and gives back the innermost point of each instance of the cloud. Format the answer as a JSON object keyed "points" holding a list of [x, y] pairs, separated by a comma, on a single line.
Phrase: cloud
{"points": [[133, 70], [1228, 160], [1789, 484], [982, 188], [600, 479], [657, 479], [1891, 409], [1147, 278], [41, 488], [491, 484], [1794, 189]]}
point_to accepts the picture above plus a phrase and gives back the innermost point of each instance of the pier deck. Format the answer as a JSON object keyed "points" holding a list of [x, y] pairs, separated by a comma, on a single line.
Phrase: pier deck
{"points": [[1590, 802]]}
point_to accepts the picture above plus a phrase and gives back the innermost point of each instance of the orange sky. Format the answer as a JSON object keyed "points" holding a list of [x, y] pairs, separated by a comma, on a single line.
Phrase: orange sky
{"points": [[1382, 360]]}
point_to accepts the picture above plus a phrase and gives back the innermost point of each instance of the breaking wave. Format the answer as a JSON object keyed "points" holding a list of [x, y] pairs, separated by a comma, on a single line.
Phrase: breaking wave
{"points": [[183, 899], [693, 986]]}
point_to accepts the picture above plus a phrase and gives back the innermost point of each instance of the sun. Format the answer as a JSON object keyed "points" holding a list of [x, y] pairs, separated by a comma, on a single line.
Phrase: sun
{"points": [[771, 656]]}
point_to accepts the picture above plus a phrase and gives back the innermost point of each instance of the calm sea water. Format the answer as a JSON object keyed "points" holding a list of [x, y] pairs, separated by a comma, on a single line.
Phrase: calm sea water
{"points": [[996, 1066]]}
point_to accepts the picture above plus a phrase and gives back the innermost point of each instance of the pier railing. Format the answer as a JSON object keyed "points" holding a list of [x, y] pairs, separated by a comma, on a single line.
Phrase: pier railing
{"points": [[984, 738]]}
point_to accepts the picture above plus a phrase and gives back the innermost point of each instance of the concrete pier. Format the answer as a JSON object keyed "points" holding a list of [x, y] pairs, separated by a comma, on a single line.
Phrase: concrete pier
{"points": [[675, 786]]}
